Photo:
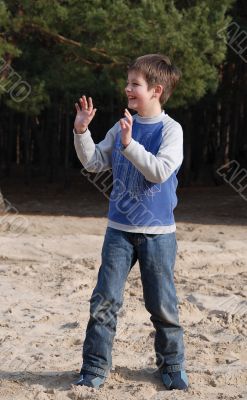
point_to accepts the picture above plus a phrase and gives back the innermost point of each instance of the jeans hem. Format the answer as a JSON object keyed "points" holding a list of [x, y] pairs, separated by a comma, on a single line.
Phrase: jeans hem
{"points": [[172, 368], [96, 370]]}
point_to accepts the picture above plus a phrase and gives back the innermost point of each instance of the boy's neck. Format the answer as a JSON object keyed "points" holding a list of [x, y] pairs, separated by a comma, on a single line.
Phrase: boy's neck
{"points": [[151, 113]]}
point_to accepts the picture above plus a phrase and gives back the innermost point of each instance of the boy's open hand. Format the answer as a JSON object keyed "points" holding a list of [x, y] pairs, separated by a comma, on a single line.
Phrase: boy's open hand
{"points": [[84, 114], [126, 127]]}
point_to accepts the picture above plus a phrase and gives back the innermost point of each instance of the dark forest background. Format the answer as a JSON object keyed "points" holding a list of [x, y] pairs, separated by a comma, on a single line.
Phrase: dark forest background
{"points": [[63, 49]]}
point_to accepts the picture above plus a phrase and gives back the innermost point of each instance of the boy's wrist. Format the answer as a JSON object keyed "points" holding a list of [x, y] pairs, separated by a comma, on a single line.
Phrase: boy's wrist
{"points": [[124, 145], [80, 131]]}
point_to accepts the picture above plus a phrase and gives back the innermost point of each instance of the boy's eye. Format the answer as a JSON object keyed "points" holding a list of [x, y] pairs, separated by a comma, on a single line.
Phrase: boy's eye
{"points": [[132, 83]]}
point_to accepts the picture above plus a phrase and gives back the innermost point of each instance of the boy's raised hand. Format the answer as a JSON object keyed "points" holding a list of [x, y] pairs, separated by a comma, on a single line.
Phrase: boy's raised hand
{"points": [[84, 114], [126, 127]]}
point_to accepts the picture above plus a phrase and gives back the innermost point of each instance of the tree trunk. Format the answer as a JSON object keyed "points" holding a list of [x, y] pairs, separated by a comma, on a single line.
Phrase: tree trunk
{"points": [[2, 205]]}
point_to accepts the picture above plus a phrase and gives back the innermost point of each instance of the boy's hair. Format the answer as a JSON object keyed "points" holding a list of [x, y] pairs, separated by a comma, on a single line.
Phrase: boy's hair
{"points": [[157, 69]]}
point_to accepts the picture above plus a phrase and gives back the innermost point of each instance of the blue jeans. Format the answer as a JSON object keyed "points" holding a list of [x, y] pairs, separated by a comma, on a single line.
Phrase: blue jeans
{"points": [[156, 255]]}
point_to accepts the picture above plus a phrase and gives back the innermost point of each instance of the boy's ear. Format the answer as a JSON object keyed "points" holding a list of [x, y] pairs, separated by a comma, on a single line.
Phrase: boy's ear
{"points": [[158, 90]]}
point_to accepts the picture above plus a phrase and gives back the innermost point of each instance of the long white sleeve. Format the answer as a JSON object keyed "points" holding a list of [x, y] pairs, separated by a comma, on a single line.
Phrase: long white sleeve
{"points": [[95, 157]]}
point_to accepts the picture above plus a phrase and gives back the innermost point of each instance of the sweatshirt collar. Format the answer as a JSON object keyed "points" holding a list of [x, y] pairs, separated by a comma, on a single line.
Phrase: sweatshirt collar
{"points": [[148, 120]]}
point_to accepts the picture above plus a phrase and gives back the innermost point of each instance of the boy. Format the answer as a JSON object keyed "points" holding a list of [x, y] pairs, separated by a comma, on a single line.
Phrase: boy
{"points": [[145, 153]]}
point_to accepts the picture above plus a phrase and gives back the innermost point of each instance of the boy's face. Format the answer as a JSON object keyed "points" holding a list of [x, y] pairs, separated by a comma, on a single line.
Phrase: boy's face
{"points": [[140, 98]]}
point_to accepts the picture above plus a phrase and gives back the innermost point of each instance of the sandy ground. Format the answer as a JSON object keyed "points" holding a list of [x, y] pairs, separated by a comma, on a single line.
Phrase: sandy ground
{"points": [[49, 271]]}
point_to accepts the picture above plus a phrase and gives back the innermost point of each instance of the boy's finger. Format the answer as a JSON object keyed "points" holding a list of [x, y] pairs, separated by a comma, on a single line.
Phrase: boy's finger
{"points": [[77, 107], [127, 112], [85, 102], [90, 103], [122, 123], [129, 120], [128, 115], [93, 112], [82, 103]]}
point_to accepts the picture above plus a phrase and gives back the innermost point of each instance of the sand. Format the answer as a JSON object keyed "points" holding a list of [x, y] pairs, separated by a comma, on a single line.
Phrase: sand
{"points": [[49, 271]]}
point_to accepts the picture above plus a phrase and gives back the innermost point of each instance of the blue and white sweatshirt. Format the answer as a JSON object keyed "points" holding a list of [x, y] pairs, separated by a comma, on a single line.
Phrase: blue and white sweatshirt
{"points": [[143, 195]]}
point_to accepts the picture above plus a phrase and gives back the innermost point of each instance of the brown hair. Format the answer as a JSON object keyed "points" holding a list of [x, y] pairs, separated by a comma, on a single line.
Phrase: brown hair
{"points": [[157, 69]]}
